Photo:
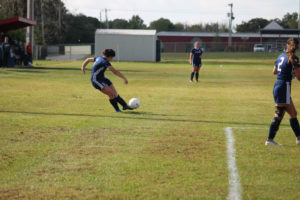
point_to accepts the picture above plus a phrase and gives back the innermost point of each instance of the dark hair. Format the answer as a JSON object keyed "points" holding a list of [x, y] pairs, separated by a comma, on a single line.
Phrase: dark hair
{"points": [[108, 53], [292, 46]]}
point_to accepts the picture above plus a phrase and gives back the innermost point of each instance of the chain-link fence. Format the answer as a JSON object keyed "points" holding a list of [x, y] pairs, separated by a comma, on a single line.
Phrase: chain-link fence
{"points": [[181, 47]]}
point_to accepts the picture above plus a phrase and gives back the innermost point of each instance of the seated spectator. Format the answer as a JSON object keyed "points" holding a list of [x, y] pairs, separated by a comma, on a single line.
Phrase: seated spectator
{"points": [[28, 52], [1, 56], [18, 55], [6, 51], [11, 57]]}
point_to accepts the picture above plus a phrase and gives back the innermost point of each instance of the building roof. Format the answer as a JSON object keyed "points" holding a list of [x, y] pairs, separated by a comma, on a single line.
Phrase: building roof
{"points": [[285, 33], [206, 34], [273, 26], [125, 32], [15, 23]]}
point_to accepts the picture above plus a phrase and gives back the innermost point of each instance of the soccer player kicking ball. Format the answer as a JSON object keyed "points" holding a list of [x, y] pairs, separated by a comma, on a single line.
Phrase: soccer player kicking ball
{"points": [[195, 60], [286, 65], [103, 84]]}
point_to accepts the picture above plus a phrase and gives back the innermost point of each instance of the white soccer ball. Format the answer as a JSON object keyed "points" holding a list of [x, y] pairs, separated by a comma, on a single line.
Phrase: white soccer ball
{"points": [[134, 103]]}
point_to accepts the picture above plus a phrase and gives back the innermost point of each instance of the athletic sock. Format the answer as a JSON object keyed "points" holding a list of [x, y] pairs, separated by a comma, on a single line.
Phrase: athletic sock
{"points": [[192, 75], [197, 76], [121, 101], [274, 128], [114, 103], [295, 126]]}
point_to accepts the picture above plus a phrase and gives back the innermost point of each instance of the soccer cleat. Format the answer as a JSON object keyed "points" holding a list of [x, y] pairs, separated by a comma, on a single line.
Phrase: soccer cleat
{"points": [[191, 81], [272, 143], [127, 108], [298, 141], [118, 111], [197, 81]]}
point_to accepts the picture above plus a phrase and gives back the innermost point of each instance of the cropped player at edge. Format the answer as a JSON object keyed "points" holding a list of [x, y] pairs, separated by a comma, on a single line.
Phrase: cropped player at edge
{"points": [[286, 67], [100, 82], [195, 60]]}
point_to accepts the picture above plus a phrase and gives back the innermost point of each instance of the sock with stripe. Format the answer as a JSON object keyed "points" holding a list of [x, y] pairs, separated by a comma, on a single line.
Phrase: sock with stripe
{"points": [[192, 75], [197, 76], [114, 103], [274, 127], [295, 126], [121, 101]]}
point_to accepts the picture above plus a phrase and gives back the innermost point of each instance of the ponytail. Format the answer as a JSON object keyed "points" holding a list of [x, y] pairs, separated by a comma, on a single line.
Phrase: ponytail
{"points": [[292, 46]]}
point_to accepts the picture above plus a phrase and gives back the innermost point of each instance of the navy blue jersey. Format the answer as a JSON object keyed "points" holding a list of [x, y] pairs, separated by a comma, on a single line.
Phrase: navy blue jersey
{"points": [[196, 55], [284, 68], [99, 68]]}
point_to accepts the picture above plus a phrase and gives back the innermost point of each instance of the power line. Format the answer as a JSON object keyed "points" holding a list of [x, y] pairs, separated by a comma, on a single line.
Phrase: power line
{"points": [[106, 16]]}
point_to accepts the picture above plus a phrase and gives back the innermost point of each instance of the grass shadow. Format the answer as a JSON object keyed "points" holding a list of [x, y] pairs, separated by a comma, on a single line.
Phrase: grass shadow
{"points": [[227, 123]]}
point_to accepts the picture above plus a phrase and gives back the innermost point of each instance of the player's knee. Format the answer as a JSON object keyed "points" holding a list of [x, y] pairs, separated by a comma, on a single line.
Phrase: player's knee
{"points": [[279, 111], [294, 115], [115, 95], [276, 123]]}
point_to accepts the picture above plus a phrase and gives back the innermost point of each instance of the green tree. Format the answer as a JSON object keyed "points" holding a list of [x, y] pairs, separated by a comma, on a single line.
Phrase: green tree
{"points": [[195, 28], [136, 22], [290, 20], [254, 25], [162, 24], [120, 24], [80, 28], [179, 27]]}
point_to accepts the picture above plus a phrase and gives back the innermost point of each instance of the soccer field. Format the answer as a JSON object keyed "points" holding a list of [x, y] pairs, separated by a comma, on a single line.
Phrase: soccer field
{"points": [[61, 139]]}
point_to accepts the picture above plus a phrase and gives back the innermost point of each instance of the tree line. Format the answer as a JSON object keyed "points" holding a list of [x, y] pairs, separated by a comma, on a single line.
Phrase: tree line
{"points": [[56, 25]]}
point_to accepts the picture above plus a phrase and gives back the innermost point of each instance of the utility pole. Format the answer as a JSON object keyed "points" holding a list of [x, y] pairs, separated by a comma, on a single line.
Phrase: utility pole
{"points": [[30, 29], [7, 4], [106, 18], [231, 18], [100, 19], [299, 16], [59, 16], [42, 19]]}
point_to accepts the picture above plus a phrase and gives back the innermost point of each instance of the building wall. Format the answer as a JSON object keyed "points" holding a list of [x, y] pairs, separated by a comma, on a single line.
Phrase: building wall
{"points": [[183, 43], [128, 47]]}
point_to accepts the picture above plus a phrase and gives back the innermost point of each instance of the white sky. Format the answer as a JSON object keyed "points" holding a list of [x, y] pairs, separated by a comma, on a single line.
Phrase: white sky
{"points": [[185, 11]]}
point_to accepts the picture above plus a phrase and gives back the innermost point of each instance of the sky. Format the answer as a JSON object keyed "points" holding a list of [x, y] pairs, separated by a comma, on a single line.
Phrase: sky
{"points": [[184, 11]]}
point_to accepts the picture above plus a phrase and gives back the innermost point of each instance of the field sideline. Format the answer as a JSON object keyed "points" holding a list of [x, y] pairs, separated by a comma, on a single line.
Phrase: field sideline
{"points": [[60, 139]]}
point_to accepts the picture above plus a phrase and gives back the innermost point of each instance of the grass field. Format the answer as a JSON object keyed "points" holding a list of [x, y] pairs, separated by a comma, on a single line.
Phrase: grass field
{"points": [[60, 139]]}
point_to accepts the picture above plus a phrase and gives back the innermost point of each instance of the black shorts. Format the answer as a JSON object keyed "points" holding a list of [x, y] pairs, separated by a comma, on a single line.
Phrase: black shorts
{"points": [[101, 83], [197, 64]]}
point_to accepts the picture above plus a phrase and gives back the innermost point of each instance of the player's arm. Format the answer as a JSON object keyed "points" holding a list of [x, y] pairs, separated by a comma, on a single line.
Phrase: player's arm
{"points": [[297, 71], [85, 63], [275, 70], [117, 73], [191, 57]]}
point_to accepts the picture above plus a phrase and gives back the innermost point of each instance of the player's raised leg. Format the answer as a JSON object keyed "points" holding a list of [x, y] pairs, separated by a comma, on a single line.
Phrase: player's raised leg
{"points": [[119, 99]]}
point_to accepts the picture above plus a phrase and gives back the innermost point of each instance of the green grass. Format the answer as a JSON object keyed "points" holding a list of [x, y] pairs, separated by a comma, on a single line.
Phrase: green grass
{"points": [[60, 139]]}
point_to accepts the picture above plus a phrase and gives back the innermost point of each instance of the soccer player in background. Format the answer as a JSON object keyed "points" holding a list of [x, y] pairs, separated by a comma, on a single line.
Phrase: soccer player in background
{"points": [[100, 82], [195, 60], [286, 67]]}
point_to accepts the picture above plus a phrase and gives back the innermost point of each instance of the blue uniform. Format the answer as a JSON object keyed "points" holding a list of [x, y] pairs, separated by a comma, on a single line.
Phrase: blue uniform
{"points": [[282, 87], [97, 77], [196, 57]]}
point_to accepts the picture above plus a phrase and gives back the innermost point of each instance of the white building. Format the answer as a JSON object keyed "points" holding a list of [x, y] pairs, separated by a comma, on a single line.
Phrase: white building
{"points": [[129, 44]]}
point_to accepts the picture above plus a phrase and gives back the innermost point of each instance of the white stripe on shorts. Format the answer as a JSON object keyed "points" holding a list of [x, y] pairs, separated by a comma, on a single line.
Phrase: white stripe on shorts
{"points": [[288, 93], [95, 78]]}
